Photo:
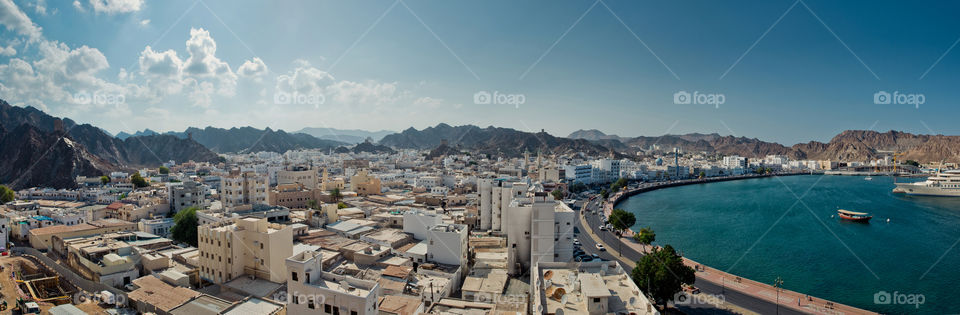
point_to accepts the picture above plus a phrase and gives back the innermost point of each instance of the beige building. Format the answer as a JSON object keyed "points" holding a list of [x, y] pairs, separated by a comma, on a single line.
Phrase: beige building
{"points": [[42, 238], [328, 184], [305, 177], [293, 196], [249, 246], [364, 184], [244, 188]]}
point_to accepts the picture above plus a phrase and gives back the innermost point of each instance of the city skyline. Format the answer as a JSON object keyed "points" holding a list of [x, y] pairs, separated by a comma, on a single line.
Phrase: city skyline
{"points": [[788, 71]]}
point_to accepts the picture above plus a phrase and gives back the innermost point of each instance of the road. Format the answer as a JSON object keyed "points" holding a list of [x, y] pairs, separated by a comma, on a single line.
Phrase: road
{"points": [[734, 297]]}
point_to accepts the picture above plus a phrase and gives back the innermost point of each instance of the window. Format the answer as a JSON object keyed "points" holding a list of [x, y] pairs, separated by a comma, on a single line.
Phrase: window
{"points": [[293, 276], [326, 308], [261, 245], [353, 312], [310, 304], [596, 300], [295, 300]]}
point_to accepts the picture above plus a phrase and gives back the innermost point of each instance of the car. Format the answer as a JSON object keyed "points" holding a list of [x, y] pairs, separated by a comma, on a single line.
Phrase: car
{"points": [[576, 242], [595, 256], [600, 247], [579, 253], [583, 258], [603, 227]]}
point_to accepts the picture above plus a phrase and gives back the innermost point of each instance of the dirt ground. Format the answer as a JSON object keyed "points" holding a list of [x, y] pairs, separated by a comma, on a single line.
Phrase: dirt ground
{"points": [[8, 286]]}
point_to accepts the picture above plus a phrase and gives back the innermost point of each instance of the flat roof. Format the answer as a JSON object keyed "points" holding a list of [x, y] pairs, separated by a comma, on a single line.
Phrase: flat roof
{"points": [[254, 306]]}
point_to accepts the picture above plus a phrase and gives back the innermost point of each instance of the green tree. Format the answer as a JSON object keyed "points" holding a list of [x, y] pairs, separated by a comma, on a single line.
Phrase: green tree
{"points": [[604, 193], [341, 205], [621, 221], [336, 195], [661, 274], [138, 181], [558, 194], [164, 170], [185, 226], [702, 174], [645, 236], [912, 162], [104, 179], [6, 194], [312, 204]]}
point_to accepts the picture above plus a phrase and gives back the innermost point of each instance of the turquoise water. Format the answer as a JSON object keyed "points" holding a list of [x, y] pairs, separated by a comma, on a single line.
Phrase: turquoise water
{"points": [[755, 228]]}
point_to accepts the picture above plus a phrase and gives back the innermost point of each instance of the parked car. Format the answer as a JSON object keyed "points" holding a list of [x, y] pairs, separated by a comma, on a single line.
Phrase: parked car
{"points": [[583, 258], [576, 242], [595, 256], [600, 247], [603, 227]]}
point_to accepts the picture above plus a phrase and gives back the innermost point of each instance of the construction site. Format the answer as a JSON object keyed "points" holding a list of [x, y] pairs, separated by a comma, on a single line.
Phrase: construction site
{"points": [[27, 283]]}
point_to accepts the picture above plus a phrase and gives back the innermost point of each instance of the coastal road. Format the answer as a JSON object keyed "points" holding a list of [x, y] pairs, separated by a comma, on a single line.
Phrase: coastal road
{"points": [[736, 298]]}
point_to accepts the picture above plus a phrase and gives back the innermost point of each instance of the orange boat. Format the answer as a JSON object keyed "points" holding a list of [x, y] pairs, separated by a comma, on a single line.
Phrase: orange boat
{"points": [[854, 216]]}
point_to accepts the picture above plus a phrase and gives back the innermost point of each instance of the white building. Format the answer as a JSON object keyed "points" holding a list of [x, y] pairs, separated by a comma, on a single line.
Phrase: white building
{"points": [[447, 244], [418, 222], [734, 161], [310, 290], [538, 229], [593, 288]]}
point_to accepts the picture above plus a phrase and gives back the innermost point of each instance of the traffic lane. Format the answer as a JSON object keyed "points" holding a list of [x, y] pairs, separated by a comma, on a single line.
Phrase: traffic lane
{"points": [[743, 300]]}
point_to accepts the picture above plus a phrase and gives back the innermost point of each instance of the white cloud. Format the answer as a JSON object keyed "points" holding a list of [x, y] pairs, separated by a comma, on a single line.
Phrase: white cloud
{"points": [[252, 68], [78, 5], [8, 51], [40, 7], [16, 21], [114, 6], [145, 22]]}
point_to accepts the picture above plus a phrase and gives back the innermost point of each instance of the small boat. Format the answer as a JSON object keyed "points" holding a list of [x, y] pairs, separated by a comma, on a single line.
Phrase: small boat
{"points": [[868, 178], [854, 216]]}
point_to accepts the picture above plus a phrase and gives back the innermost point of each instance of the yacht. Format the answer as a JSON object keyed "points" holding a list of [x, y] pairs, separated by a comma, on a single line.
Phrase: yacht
{"points": [[942, 184]]}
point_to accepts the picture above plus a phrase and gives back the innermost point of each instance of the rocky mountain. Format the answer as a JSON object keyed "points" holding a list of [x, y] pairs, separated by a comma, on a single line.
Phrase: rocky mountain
{"points": [[77, 149], [491, 140], [351, 136], [146, 132], [850, 145], [34, 157], [370, 147], [249, 139]]}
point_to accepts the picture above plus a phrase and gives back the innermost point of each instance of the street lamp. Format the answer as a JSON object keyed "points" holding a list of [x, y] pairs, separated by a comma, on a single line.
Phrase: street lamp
{"points": [[778, 283]]}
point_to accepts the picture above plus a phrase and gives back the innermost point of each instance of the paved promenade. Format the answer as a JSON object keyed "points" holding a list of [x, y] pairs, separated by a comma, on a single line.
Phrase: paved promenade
{"points": [[787, 299]]}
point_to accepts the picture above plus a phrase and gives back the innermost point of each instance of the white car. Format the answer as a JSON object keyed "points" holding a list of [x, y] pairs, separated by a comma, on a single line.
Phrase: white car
{"points": [[603, 227], [600, 247]]}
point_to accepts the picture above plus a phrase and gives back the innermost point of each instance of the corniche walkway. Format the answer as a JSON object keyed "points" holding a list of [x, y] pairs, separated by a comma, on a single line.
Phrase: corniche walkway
{"points": [[788, 299]]}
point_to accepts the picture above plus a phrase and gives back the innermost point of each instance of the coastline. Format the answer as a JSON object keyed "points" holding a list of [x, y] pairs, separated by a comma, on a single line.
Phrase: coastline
{"points": [[787, 298]]}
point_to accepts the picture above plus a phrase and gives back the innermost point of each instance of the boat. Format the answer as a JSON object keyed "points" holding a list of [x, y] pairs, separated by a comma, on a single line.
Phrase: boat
{"points": [[945, 184], [868, 178], [854, 216]]}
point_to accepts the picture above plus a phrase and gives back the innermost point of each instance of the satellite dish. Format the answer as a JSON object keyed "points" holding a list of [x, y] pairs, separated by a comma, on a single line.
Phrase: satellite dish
{"points": [[603, 272], [605, 266], [633, 301], [548, 283], [563, 299], [540, 308], [547, 275], [559, 311]]}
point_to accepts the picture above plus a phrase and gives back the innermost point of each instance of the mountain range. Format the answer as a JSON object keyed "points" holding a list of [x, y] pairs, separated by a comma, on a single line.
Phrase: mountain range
{"points": [[42, 150], [849, 145], [491, 141], [350, 136]]}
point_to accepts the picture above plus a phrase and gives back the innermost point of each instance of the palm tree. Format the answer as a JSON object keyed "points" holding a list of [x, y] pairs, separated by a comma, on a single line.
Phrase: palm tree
{"points": [[336, 195]]}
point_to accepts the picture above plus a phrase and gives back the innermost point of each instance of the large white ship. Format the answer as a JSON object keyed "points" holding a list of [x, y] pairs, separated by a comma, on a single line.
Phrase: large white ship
{"points": [[942, 184]]}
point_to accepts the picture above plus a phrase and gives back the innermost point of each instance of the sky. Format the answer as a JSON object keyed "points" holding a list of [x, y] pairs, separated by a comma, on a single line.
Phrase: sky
{"points": [[786, 71]]}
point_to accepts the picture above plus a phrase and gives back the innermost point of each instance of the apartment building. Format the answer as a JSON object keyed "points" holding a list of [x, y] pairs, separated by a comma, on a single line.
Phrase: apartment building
{"points": [[293, 195], [364, 184], [299, 175], [249, 246], [313, 291], [187, 194], [244, 188], [593, 288]]}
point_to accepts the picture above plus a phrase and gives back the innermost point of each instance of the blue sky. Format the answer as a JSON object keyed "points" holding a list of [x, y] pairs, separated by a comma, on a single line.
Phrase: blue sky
{"points": [[789, 71]]}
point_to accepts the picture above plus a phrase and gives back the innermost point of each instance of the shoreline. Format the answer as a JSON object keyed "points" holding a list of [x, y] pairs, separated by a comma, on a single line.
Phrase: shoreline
{"points": [[787, 298]]}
